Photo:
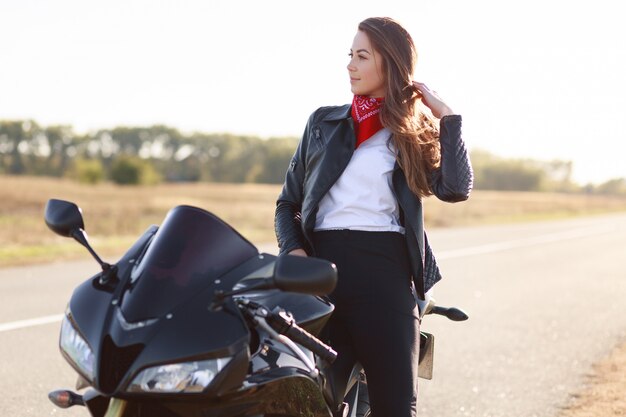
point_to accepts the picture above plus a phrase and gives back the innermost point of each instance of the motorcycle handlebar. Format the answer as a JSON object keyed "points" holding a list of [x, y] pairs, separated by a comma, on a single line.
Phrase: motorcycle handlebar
{"points": [[306, 339], [286, 325], [451, 313]]}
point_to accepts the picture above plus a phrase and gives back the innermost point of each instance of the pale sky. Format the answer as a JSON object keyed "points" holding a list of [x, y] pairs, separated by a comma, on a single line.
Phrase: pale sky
{"points": [[535, 78]]}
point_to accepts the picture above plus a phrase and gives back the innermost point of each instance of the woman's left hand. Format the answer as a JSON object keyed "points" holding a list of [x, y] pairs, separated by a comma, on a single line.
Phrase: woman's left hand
{"points": [[432, 100]]}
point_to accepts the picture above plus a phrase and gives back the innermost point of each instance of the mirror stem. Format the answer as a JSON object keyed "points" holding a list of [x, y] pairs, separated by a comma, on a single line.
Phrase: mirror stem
{"points": [[109, 272], [265, 284], [79, 235]]}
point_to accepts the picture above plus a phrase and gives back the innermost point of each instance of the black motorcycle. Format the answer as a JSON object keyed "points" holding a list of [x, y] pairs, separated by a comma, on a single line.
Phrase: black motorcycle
{"points": [[194, 321]]}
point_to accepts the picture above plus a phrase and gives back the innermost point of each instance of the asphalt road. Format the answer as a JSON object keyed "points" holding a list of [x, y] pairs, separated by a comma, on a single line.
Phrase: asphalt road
{"points": [[545, 301]]}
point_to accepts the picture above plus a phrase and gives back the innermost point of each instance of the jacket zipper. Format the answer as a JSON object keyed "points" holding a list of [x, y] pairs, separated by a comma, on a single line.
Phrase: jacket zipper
{"points": [[306, 220]]}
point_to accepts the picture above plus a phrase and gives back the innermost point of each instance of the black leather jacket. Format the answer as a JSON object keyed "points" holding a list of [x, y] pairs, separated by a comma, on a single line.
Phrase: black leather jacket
{"points": [[322, 155]]}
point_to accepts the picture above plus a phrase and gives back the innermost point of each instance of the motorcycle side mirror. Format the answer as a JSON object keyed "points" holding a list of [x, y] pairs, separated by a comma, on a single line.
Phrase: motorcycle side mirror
{"points": [[292, 274], [304, 275], [63, 217], [66, 219]]}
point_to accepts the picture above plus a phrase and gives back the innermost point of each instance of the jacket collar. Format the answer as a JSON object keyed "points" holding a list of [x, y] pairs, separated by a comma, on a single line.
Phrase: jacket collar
{"points": [[338, 113]]}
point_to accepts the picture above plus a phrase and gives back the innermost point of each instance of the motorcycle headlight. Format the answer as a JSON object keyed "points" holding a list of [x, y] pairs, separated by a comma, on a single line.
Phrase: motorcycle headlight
{"points": [[76, 349], [178, 377]]}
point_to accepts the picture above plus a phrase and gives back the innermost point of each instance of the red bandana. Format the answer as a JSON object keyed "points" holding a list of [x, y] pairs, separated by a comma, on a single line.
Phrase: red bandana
{"points": [[365, 112]]}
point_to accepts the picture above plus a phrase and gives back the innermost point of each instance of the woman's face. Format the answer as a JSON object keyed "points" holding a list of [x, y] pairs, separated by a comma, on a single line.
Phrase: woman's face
{"points": [[365, 68]]}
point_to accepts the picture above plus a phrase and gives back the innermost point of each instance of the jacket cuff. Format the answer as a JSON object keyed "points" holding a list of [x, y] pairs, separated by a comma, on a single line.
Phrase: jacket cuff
{"points": [[451, 119]]}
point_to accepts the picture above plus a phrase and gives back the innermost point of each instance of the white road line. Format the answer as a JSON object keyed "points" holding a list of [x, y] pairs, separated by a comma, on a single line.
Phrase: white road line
{"points": [[20, 324], [520, 243], [450, 254]]}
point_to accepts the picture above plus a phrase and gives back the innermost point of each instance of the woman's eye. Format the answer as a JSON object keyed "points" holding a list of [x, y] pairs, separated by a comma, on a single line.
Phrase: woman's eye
{"points": [[361, 57]]}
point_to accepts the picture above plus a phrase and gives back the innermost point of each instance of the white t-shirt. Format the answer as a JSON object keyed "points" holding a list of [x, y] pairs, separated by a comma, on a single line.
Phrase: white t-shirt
{"points": [[362, 198]]}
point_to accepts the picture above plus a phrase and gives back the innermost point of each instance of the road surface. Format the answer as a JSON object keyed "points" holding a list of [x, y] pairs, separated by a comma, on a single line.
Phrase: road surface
{"points": [[545, 300]]}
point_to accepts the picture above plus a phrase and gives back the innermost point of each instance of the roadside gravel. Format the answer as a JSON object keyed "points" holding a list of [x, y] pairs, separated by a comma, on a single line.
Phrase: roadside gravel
{"points": [[604, 395]]}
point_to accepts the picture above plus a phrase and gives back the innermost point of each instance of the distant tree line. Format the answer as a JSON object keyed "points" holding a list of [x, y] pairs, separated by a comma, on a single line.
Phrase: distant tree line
{"points": [[148, 155], [141, 155], [492, 172]]}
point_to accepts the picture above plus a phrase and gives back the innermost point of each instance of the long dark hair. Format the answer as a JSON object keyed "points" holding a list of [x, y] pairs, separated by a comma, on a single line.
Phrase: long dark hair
{"points": [[415, 133]]}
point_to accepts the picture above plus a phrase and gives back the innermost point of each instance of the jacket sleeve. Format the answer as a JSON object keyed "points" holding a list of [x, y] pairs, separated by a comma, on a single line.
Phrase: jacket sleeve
{"points": [[453, 180], [288, 215]]}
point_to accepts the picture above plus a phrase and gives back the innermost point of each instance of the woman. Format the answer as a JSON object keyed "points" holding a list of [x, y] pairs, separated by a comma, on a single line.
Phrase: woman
{"points": [[352, 195]]}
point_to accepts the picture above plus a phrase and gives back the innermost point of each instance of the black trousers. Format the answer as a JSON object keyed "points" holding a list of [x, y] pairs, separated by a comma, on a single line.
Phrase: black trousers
{"points": [[376, 321]]}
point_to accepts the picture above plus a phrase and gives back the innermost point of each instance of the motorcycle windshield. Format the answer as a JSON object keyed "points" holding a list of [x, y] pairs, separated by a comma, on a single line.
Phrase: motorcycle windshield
{"points": [[191, 249]]}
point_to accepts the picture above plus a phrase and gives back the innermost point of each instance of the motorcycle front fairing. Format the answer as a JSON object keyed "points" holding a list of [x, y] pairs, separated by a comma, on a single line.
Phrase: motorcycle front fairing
{"points": [[159, 313]]}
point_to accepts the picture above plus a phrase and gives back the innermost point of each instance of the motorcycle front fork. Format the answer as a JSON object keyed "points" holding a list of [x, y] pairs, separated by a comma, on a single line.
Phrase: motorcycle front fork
{"points": [[116, 408]]}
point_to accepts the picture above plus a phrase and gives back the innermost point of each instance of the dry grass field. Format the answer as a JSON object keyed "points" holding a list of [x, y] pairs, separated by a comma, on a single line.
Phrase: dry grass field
{"points": [[116, 215]]}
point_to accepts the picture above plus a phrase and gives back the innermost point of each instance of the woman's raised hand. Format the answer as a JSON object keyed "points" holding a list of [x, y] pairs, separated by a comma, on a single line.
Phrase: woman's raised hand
{"points": [[298, 252], [432, 100]]}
